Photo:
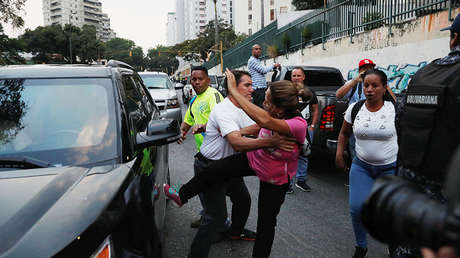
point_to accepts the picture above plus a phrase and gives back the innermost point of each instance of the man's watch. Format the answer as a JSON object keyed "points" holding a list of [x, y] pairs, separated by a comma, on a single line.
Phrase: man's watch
{"points": [[312, 126]]}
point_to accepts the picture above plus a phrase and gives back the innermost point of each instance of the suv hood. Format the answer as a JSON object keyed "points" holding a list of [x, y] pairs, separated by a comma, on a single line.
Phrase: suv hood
{"points": [[162, 94], [43, 210]]}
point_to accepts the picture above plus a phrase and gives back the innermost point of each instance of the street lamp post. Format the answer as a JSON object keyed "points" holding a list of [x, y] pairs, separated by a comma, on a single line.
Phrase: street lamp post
{"points": [[216, 22], [70, 36]]}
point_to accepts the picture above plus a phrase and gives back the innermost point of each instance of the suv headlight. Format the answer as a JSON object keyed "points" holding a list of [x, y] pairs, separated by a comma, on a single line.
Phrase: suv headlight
{"points": [[105, 250], [172, 103]]}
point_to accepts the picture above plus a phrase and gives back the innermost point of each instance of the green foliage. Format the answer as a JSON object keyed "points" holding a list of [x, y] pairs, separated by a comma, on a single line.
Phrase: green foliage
{"points": [[161, 58], [307, 4], [200, 48], [10, 12], [314, 31], [51, 44], [273, 51], [286, 41], [306, 34], [9, 50], [374, 17], [126, 51]]}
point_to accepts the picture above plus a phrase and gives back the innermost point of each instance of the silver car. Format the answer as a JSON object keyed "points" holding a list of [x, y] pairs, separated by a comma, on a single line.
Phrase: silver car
{"points": [[163, 94]]}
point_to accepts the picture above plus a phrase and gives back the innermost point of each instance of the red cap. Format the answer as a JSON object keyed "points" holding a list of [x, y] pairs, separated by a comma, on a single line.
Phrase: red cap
{"points": [[365, 62]]}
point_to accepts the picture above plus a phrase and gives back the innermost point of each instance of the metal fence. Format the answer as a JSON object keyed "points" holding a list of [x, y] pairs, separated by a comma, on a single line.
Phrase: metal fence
{"points": [[340, 18]]}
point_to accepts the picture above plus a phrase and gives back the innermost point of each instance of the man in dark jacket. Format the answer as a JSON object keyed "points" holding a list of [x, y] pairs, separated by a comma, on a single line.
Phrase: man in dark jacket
{"points": [[430, 179]]}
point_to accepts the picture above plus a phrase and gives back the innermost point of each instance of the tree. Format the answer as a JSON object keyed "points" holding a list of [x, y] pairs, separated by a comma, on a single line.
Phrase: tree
{"points": [[204, 45], [10, 48], [90, 48], [161, 58], [50, 44], [126, 51], [307, 4], [9, 12]]}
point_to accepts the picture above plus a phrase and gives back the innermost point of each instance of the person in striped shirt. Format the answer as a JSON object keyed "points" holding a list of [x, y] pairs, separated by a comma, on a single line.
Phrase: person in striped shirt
{"points": [[257, 71]]}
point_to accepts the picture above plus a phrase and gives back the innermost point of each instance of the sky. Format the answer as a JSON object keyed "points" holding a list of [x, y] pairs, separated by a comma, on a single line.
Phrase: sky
{"points": [[143, 21]]}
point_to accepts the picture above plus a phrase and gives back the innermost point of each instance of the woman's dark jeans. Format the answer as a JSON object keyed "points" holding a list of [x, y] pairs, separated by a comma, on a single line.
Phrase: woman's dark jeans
{"points": [[271, 197]]}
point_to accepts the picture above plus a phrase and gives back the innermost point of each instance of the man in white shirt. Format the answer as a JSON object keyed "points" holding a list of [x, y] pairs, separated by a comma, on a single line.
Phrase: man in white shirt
{"points": [[226, 126]]}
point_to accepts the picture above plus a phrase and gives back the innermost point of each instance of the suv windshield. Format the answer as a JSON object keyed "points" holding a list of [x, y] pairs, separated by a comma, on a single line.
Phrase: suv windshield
{"points": [[155, 81], [62, 121]]}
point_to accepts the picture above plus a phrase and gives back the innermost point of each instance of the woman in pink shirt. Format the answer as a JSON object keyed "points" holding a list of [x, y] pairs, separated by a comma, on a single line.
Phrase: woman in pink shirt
{"points": [[274, 167]]}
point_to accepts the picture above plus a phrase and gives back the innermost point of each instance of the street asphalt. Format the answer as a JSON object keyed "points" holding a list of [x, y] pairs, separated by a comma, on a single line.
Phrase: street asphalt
{"points": [[310, 224]]}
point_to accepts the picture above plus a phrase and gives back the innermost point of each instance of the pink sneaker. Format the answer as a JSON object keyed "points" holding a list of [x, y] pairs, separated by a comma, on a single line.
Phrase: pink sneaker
{"points": [[172, 194], [156, 192]]}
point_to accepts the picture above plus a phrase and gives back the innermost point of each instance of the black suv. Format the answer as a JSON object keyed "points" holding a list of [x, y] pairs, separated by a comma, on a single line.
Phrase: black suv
{"points": [[82, 155]]}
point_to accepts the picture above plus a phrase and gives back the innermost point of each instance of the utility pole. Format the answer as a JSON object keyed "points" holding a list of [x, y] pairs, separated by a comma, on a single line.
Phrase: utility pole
{"points": [[262, 13], [70, 37], [216, 22]]}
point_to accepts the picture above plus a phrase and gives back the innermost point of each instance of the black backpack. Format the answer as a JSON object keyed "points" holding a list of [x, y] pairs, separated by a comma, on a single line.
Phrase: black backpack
{"points": [[429, 128]]}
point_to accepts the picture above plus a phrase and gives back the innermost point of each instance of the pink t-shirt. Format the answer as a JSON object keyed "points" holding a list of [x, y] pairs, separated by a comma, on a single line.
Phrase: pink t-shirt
{"points": [[273, 165]]}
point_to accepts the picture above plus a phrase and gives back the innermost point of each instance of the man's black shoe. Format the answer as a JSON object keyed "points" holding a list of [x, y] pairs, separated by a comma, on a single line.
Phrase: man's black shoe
{"points": [[360, 252], [196, 223], [290, 190]]}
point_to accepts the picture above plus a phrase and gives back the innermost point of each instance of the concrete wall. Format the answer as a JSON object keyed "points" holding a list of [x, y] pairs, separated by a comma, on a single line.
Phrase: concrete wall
{"points": [[412, 45]]}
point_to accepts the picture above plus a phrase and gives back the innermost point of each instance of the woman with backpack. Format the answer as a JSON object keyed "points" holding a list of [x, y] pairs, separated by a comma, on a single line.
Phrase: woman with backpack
{"points": [[273, 166], [372, 121]]}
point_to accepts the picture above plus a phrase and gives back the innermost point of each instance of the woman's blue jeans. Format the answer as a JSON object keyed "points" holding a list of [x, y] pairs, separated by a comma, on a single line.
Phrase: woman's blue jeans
{"points": [[362, 177]]}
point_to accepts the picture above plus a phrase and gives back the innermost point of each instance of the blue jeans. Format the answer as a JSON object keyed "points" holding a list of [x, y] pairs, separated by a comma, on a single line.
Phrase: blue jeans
{"points": [[362, 177], [302, 165]]}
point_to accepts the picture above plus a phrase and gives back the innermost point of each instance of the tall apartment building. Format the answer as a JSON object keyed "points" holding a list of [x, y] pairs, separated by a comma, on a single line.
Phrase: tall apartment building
{"points": [[248, 14], [171, 26], [78, 13], [192, 16]]}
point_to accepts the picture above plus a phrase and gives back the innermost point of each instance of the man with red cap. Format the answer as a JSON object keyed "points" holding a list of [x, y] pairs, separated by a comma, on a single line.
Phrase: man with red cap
{"points": [[353, 89]]}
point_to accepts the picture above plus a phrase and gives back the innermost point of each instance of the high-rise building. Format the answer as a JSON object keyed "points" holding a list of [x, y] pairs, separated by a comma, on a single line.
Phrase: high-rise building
{"points": [[249, 13], [78, 13], [171, 26], [180, 21], [192, 16]]}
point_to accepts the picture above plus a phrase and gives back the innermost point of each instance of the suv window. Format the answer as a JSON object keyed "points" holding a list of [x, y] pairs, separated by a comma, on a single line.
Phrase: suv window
{"points": [[320, 78], [133, 97], [62, 121], [145, 99]]}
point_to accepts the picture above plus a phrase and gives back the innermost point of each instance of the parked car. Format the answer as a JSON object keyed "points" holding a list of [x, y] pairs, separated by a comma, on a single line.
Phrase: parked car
{"points": [[163, 93], [82, 155], [324, 81], [187, 93], [217, 83]]}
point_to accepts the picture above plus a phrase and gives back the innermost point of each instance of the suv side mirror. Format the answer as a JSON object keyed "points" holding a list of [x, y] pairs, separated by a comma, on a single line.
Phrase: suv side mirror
{"points": [[159, 132]]}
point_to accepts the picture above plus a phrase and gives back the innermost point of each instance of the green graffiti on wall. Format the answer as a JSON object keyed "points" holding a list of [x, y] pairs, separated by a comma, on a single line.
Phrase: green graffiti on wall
{"points": [[398, 76]]}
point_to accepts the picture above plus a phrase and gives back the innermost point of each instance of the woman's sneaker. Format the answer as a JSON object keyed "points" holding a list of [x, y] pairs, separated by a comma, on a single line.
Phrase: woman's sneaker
{"points": [[360, 252], [172, 194]]}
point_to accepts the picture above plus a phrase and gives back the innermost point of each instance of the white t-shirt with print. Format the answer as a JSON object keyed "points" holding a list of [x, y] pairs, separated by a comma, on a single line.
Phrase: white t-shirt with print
{"points": [[224, 119], [375, 133]]}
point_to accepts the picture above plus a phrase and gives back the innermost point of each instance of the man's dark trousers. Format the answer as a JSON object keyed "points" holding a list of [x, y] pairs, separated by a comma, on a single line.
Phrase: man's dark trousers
{"points": [[258, 97], [215, 211]]}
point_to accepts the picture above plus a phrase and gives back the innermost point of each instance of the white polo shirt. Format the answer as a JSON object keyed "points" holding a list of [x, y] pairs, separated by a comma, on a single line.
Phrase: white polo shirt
{"points": [[224, 119]]}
